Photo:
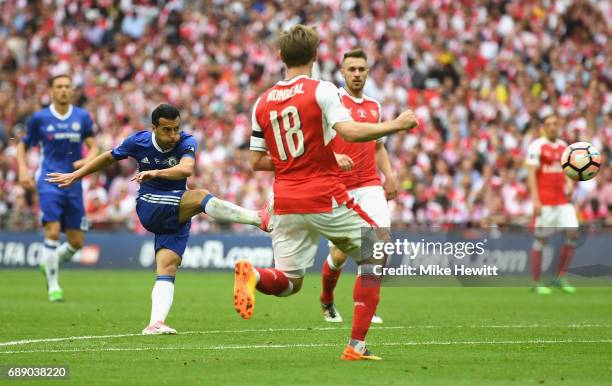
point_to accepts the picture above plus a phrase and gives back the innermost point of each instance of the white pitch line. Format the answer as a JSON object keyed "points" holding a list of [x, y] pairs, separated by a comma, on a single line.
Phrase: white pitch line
{"points": [[90, 337], [47, 340], [311, 345]]}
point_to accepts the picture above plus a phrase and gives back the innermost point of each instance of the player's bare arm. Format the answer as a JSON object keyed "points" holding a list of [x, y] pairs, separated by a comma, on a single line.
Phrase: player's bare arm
{"points": [[92, 146], [183, 170], [25, 179], [362, 132], [384, 165], [261, 161], [533, 189], [66, 179]]}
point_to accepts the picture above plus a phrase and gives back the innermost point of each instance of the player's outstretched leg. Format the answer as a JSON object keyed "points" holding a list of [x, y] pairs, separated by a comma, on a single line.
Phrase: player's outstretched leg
{"points": [[269, 281], [567, 251], [366, 295], [536, 267], [163, 293], [198, 201]]}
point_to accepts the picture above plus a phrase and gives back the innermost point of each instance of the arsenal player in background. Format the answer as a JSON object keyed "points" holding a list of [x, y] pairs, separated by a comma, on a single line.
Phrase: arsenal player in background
{"points": [[359, 162], [550, 191]]}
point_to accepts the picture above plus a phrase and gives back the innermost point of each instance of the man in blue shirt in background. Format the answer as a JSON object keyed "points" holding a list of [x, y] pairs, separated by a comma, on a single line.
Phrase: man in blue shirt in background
{"points": [[166, 158], [60, 130]]}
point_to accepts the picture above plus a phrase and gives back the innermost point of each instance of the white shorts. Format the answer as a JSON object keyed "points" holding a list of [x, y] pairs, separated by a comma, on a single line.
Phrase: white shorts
{"points": [[554, 217], [373, 201], [295, 237]]}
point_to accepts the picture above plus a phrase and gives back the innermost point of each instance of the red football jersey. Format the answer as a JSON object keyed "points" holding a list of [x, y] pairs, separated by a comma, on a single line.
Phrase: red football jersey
{"points": [[294, 121], [549, 176], [363, 154]]}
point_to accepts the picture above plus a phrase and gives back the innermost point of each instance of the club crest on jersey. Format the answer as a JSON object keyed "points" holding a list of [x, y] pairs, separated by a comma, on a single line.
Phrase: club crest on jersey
{"points": [[374, 113], [172, 161], [76, 126], [361, 113]]}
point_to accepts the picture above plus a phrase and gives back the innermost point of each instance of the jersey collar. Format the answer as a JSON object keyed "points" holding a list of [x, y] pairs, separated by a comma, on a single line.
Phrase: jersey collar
{"points": [[356, 100], [292, 80], [58, 115], [157, 147]]}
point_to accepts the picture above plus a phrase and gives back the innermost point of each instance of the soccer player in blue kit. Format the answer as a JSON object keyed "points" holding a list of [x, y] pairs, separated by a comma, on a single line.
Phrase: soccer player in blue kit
{"points": [[166, 157], [60, 129]]}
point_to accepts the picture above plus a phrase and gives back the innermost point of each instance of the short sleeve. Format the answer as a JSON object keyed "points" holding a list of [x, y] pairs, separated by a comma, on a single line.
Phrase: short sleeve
{"points": [[88, 126], [330, 102], [32, 137], [189, 147], [258, 142], [126, 149], [533, 154]]}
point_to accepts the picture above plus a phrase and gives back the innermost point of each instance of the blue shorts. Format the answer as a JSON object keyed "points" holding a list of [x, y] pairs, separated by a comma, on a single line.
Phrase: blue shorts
{"points": [[63, 207], [158, 212]]}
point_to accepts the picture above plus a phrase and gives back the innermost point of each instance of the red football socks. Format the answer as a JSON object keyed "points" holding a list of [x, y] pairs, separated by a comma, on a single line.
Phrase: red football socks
{"points": [[567, 251], [536, 264], [366, 295], [329, 278], [271, 281]]}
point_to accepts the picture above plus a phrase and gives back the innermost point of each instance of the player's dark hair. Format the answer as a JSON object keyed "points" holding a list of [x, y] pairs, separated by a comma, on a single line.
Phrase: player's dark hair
{"points": [[355, 53], [165, 110], [53, 78], [298, 46]]}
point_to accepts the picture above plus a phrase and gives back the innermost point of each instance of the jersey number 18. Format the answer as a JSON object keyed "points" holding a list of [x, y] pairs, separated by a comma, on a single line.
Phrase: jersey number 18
{"points": [[293, 132]]}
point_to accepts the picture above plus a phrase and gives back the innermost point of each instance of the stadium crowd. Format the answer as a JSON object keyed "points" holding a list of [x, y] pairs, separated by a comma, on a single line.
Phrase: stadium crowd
{"points": [[476, 72]]}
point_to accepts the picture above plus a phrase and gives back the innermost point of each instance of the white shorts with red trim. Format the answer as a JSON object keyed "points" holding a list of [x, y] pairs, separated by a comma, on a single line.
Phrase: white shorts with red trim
{"points": [[554, 217], [295, 237], [373, 201]]}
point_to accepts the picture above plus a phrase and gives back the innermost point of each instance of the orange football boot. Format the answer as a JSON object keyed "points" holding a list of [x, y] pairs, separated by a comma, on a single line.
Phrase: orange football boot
{"points": [[244, 289], [350, 354]]}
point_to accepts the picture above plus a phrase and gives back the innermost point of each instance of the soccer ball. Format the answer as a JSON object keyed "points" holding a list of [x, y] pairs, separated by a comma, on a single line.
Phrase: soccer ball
{"points": [[581, 161]]}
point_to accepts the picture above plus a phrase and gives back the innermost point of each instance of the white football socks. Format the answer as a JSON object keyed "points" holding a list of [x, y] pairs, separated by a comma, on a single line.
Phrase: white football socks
{"points": [[67, 252], [226, 211], [51, 261], [161, 298]]}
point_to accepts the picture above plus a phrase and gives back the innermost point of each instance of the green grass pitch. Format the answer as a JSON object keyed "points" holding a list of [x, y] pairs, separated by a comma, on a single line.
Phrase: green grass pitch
{"points": [[431, 336]]}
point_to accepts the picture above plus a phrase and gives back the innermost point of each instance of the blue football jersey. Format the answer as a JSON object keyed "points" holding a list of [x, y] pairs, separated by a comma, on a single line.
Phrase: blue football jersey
{"points": [[61, 141], [143, 148]]}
